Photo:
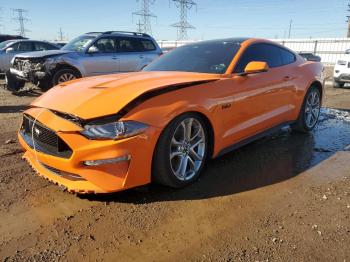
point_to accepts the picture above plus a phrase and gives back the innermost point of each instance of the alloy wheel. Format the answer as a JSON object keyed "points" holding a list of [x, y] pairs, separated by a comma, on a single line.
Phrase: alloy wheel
{"points": [[187, 149], [66, 77], [312, 109]]}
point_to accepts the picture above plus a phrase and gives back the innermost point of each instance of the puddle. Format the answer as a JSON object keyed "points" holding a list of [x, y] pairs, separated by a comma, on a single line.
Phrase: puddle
{"points": [[273, 159]]}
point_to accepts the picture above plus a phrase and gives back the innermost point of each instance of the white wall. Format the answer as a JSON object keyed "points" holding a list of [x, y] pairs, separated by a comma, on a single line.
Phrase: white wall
{"points": [[329, 49]]}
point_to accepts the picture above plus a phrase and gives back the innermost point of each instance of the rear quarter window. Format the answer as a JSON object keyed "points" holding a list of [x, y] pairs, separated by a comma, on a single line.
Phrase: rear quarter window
{"points": [[147, 45], [287, 57]]}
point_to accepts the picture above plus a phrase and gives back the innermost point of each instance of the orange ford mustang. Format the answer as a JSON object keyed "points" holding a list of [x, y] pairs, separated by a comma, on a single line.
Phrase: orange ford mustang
{"points": [[110, 133]]}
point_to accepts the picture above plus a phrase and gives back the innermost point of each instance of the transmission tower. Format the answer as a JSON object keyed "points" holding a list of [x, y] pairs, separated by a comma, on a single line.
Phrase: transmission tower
{"points": [[146, 15], [21, 19], [183, 25], [348, 21]]}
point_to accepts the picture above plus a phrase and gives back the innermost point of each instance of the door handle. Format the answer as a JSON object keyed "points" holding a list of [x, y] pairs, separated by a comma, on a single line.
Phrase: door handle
{"points": [[115, 58], [141, 56]]}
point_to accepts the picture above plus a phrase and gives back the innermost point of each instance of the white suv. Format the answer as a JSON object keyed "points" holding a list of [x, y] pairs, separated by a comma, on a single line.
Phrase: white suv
{"points": [[341, 73]]}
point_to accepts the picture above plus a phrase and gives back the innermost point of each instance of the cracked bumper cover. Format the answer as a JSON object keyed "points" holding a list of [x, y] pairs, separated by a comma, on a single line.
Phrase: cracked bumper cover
{"points": [[72, 174]]}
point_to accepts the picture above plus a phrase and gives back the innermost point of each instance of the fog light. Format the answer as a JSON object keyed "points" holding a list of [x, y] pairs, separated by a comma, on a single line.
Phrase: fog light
{"points": [[107, 161]]}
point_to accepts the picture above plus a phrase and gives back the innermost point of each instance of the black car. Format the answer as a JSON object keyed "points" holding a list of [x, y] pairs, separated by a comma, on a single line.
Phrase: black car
{"points": [[10, 37], [310, 56]]}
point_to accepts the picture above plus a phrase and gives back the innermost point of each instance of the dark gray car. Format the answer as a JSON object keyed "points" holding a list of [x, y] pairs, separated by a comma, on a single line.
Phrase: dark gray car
{"points": [[91, 54]]}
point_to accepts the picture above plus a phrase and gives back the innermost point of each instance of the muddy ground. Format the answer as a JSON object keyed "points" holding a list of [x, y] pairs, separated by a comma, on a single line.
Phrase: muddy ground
{"points": [[283, 198]]}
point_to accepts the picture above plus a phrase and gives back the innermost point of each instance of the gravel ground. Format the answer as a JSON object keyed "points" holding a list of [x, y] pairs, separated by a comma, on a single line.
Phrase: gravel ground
{"points": [[283, 198]]}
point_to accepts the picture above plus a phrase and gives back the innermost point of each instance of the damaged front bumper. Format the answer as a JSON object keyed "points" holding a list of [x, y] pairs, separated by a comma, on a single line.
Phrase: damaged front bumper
{"points": [[31, 71], [90, 166]]}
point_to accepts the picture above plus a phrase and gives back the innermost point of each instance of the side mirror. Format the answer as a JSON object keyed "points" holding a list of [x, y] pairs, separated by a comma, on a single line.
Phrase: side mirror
{"points": [[256, 67], [10, 50], [93, 50]]}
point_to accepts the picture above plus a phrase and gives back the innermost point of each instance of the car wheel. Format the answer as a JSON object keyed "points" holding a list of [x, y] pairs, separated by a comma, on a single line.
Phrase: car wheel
{"points": [[338, 84], [64, 75], [181, 151], [310, 111], [13, 84]]}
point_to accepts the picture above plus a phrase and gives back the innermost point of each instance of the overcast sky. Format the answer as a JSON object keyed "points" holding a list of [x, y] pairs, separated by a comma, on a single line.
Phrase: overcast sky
{"points": [[212, 19]]}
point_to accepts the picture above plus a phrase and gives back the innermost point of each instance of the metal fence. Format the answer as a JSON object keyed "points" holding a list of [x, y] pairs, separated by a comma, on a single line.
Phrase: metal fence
{"points": [[329, 49]]}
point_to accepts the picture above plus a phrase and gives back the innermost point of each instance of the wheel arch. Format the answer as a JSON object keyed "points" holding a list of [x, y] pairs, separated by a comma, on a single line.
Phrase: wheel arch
{"points": [[319, 86], [66, 66]]}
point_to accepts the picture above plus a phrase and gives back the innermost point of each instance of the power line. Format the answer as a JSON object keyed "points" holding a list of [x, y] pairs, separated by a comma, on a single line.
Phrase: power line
{"points": [[21, 19], [146, 15], [183, 25]]}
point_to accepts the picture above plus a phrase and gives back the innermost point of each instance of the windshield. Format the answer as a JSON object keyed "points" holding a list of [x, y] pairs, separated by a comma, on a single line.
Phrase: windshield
{"points": [[78, 44], [5, 44], [206, 57]]}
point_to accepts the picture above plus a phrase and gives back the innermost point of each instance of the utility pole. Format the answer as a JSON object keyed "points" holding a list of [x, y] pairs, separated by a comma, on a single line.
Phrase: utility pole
{"points": [[183, 25], [0, 18], [146, 15], [21, 19], [60, 35], [290, 27], [348, 21]]}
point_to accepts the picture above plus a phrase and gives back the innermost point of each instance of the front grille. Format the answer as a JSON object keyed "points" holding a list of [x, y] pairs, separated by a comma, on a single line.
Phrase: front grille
{"points": [[45, 139]]}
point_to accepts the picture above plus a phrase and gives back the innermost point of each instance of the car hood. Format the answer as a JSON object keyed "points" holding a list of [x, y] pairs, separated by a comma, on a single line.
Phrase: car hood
{"points": [[43, 54], [93, 97]]}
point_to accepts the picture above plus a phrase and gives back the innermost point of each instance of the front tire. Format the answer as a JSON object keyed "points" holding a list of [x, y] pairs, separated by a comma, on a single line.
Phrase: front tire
{"points": [[64, 75], [337, 84], [181, 152], [12, 83], [310, 111]]}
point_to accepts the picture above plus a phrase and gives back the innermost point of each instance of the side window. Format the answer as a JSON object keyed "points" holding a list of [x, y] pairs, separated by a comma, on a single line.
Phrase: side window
{"points": [[14, 46], [43, 46], [260, 52], [106, 45], [23, 47], [147, 45], [287, 57], [130, 45]]}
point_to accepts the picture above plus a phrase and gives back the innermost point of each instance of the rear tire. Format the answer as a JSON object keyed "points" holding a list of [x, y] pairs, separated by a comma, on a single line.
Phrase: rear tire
{"points": [[181, 152], [310, 111], [64, 75], [337, 84], [12, 83]]}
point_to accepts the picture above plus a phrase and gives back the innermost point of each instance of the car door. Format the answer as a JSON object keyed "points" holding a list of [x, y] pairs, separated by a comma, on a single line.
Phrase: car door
{"points": [[130, 54], [16, 48], [259, 101], [101, 57]]}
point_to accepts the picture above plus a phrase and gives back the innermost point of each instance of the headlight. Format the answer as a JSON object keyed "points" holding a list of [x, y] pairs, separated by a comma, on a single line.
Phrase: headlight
{"points": [[115, 130], [341, 62], [50, 63]]}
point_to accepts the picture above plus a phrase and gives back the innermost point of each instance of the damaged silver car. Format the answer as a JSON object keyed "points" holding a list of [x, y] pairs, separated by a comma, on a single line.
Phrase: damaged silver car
{"points": [[91, 54]]}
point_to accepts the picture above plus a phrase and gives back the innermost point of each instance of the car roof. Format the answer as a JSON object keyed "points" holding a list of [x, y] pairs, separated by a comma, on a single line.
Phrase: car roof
{"points": [[29, 40], [238, 40], [119, 33]]}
